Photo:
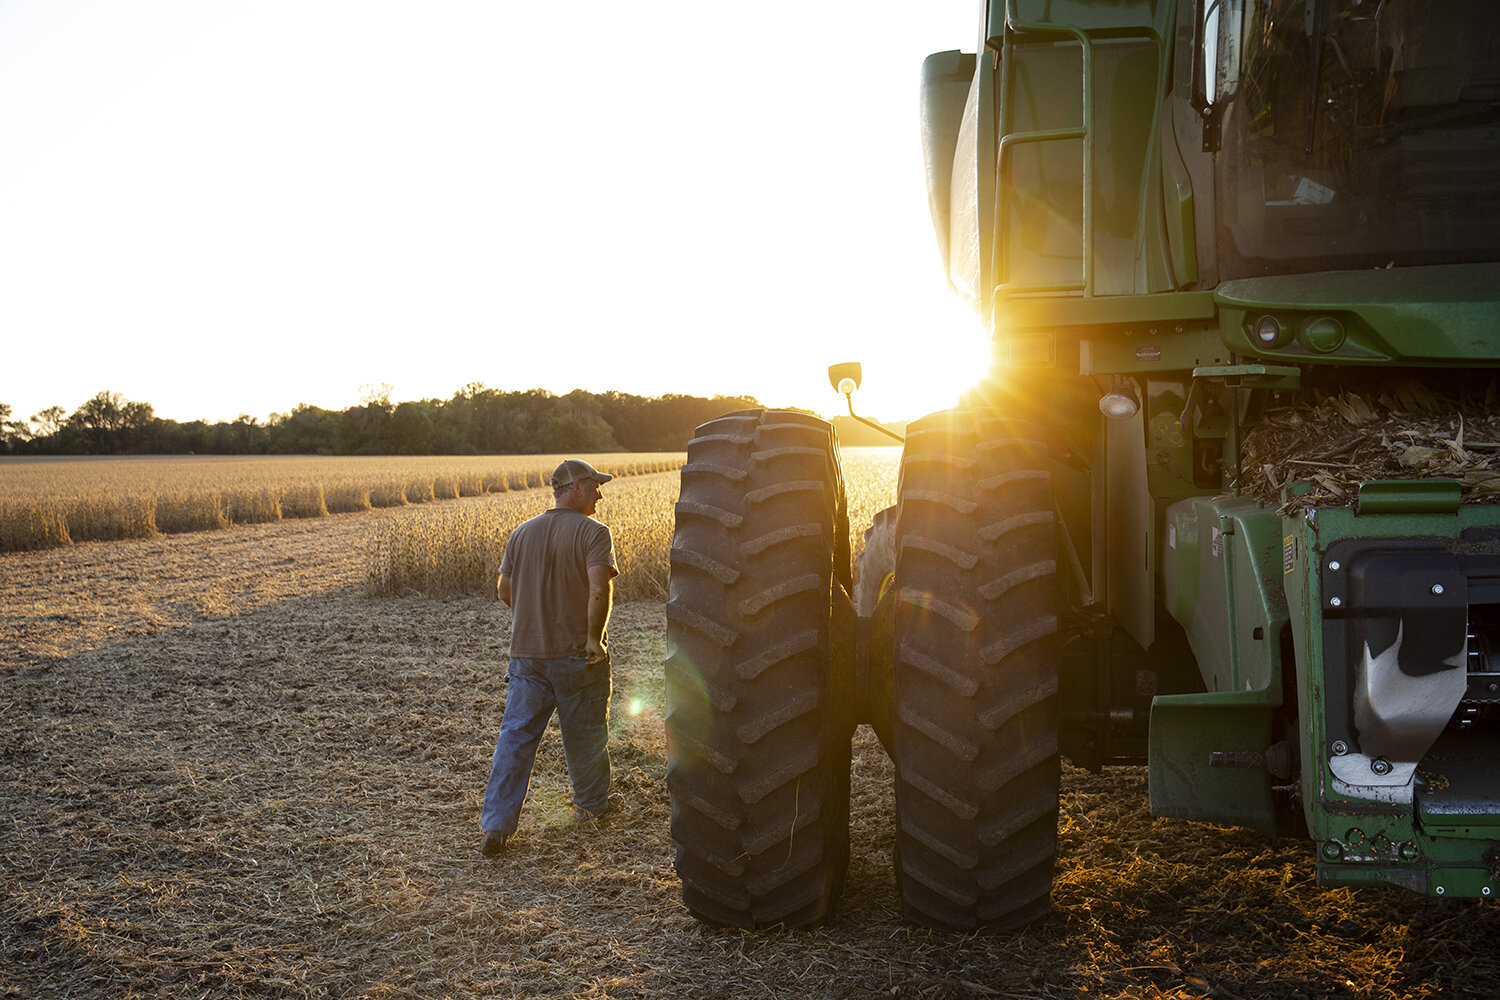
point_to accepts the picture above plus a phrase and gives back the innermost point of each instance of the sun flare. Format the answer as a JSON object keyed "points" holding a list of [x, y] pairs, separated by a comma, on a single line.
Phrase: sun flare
{"points": [[922, 366]]}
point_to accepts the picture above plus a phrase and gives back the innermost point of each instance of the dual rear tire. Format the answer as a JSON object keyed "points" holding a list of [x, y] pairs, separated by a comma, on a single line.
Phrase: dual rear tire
{"points": [[761, 679]]}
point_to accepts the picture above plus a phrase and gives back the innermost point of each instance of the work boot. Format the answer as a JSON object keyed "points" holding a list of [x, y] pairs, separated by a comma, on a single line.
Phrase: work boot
{"points": [[494, 843], [612, 804]]}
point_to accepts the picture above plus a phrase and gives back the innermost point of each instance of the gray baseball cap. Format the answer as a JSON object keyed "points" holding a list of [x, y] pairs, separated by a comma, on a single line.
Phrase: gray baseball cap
{"points": [[574, 470]]}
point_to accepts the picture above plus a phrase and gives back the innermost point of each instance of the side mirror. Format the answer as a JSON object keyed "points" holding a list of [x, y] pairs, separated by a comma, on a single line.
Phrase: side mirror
{"points": [[845, 378], [1228, 30], [1217, 27]]}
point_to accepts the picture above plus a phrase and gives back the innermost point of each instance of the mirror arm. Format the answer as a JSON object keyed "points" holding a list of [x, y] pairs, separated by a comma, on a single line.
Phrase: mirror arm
{"points": [[1212, 136], [849, 397]]}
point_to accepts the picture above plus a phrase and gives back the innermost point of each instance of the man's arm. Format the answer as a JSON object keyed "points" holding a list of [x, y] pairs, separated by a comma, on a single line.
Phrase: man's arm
{"points": [[502, 588], [601, 593]]}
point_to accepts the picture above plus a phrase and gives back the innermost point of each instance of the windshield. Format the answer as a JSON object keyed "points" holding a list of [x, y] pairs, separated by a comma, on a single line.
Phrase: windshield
{"points": [[1359, 133]]}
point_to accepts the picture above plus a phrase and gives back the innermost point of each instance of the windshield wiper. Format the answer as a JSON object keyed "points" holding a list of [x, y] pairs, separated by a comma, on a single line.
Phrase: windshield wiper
{"points": [[1320, 28]]}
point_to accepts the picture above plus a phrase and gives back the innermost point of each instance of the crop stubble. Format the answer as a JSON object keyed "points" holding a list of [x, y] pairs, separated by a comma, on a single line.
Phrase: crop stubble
{"points": [[230, 772]]}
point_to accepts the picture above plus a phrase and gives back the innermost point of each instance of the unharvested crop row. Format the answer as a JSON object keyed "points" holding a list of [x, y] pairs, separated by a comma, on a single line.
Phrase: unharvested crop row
{"points": [[457, 550], [870, 476], [46, 504]]}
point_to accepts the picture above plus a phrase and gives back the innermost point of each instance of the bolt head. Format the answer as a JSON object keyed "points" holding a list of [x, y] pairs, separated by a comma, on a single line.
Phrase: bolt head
{"points": [[1437, 588], [1339, 748], [1337, 602], [1380, 765], [1335, 565]]}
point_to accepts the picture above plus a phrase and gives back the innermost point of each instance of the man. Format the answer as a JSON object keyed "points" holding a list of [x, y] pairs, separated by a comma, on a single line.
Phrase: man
{"points": [[556, 576]]}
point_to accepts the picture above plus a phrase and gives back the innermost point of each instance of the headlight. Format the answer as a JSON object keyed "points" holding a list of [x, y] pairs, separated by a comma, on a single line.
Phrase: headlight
{"points": [[1269, 332]]}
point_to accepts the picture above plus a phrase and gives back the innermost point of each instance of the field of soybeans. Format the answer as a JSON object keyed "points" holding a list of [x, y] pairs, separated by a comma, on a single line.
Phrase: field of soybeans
{"points": [[248, 762], [49, 501]]}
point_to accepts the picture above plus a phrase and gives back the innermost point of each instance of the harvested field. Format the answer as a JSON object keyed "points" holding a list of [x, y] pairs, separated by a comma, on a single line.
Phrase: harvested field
{"points": [[228, 772]]}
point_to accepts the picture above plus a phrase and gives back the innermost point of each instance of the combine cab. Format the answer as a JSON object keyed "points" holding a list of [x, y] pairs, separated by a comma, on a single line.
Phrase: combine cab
{"points": [[1220, 507]]}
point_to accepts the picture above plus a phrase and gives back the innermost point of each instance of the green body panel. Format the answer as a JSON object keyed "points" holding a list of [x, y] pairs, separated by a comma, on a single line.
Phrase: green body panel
{"points": [[1221, 577], [1168, 308], [1221, 570], [1411, 316], [1150, 349]]}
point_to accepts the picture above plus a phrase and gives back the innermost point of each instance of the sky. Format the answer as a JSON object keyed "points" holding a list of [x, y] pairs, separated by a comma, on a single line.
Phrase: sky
{"points": [[226, 207]]}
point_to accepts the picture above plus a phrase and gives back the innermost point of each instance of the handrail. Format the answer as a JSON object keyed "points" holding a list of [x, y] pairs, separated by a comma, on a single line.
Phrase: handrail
{"points": [[1014, 26]]}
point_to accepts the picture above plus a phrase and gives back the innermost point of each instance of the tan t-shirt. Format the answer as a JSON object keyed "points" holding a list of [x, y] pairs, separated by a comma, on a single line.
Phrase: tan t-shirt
{"points": [[547, 560]]}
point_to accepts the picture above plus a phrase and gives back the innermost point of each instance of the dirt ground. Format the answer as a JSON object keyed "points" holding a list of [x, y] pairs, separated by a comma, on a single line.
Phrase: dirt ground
{"points": [[227, 772]]}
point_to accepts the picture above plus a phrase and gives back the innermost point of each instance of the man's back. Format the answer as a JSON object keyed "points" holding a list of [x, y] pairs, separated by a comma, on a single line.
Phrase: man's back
{"points": [[547, 559]]}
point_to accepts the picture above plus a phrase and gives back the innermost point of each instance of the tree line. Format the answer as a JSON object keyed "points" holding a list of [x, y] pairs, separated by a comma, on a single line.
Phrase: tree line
{"points": [[477, 420]]}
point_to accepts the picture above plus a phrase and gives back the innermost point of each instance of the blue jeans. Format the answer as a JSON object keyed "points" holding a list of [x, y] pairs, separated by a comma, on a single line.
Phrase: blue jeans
{"points": [[579, 691]]}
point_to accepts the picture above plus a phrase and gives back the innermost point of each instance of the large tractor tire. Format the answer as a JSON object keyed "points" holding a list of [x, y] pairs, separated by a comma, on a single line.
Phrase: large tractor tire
{"points": [[976, 674], [760, 672]]}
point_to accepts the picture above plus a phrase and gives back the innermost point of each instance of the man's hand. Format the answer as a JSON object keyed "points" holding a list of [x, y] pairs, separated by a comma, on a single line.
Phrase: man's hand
{"points": [[502, 589], [597, 651]]}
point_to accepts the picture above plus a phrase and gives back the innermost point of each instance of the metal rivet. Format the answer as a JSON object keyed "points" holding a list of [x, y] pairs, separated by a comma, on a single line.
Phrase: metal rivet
{"points": [[1335, 565], [1339, 748], [1437, 588], [1337, 602], [1380, 765], [1439, 890]]}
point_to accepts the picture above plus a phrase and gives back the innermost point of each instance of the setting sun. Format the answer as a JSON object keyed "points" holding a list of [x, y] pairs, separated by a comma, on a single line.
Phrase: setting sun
{"points": [[911, 370]]}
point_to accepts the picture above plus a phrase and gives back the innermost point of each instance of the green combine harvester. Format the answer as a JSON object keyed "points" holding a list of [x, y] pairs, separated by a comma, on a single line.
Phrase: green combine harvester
{"points": [[1218, 508]]}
